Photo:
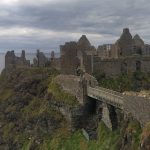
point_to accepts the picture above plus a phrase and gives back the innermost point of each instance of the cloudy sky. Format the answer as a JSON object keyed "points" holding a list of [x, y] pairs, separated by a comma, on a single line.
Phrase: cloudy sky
{"points": [[46, 24]]}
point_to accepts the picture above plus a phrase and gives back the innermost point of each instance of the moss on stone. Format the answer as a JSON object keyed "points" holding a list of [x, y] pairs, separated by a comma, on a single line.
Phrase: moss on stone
{"points": [[60, 95]]}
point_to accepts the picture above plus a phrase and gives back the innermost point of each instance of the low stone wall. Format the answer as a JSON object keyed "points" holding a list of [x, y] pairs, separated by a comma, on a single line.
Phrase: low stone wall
{"points": [[76, 85], [71, 84]]}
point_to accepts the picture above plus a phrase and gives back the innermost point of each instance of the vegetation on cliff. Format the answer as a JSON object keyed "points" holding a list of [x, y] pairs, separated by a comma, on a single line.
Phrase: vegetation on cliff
{"points": [[28, 120], [60, 95], [127, 137], [136, 82]]}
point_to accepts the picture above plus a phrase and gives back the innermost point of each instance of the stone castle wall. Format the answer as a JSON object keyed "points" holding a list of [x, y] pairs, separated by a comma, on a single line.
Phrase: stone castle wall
{"points": [[12, 59], [69, 60], [126, 56], [114, 67]]}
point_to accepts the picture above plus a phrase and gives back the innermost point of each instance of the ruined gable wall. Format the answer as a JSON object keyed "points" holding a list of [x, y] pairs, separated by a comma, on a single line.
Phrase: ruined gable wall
{"points": [[69, 59], [12, 59]]}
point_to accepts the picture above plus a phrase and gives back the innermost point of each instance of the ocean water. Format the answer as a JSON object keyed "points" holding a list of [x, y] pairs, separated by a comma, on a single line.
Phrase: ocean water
{"points": [[2, 61], [29, 56]]}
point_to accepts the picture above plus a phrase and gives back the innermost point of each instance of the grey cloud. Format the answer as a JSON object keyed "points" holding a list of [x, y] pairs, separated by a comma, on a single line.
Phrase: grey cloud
{"points": [[106, 18]]}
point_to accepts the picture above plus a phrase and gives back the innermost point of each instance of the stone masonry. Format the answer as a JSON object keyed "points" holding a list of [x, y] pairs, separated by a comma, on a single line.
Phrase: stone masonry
{"points": [[126, 56], [12, 60]]}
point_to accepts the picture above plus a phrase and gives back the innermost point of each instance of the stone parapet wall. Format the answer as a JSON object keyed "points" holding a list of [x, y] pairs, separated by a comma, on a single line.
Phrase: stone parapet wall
{"points": [[113, 67], [76, 85]]}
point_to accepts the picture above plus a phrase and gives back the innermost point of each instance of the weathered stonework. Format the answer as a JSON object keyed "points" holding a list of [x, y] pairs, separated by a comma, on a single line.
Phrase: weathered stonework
{"points": [[126, 56], [40, 60], [69, 59], [12, 59], [114, 67], [76, 85], [54, 62], [76, 55], [106, 116], [104, 51]]}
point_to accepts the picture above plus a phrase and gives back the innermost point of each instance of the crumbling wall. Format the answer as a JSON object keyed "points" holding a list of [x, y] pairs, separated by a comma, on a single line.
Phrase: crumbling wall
{"points": [[76, 85], [12, 60], [69, 60]]}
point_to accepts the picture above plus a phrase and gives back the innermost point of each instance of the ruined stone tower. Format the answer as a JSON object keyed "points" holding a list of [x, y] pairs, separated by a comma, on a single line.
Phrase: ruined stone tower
{"points": [[125, 44], [12, 60]]}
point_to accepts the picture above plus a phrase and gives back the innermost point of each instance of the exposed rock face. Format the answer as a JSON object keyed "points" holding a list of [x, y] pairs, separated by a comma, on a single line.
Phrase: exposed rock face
{"points": [[12, 59]]}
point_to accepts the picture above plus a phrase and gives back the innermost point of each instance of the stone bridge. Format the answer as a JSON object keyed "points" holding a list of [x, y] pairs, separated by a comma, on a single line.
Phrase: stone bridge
{"points": [[107, 96], [101, 103], [111, 101]]}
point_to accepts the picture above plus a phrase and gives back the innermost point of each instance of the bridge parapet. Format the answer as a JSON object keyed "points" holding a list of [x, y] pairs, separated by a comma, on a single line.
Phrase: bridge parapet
{"points": [[108, 96]]}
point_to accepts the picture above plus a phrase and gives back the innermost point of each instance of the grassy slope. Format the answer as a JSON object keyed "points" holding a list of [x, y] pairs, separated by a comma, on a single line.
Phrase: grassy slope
{"points": [[76, 141]]}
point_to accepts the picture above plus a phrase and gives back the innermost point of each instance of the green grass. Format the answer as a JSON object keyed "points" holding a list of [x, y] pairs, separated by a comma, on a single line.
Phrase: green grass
{"points": [[27, 145], [135, 129], [5, 94], [106, 139], [60, 95], [63, 140], [124, 82]]}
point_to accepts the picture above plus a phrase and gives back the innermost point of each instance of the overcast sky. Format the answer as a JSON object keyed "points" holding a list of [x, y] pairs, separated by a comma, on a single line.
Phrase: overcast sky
{"points": [[46, 24]]}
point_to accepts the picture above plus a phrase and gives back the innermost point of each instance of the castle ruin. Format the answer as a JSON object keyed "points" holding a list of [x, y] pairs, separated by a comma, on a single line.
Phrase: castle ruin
{"points": [[125, 56], [12, 59]]}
